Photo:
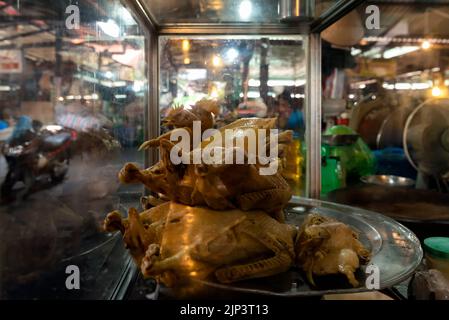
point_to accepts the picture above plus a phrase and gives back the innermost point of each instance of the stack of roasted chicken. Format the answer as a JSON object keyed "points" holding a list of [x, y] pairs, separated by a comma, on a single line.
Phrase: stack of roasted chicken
{"points": [[223, 221]]}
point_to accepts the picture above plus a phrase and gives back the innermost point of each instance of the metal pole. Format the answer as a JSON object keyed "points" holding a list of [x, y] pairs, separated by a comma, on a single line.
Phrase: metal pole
{"points": [[310, 8], [296, 10], [313, 116], [152, 112], [264, 68], [57, 81]]}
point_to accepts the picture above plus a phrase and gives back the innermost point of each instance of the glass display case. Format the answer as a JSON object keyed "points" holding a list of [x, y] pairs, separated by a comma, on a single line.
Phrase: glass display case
{"points": [[362, 85], [83, 84], [264, 55]]}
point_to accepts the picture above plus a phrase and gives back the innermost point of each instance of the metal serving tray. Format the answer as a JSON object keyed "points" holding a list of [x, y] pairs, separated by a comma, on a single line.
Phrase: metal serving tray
{"points": [[396, 252]]}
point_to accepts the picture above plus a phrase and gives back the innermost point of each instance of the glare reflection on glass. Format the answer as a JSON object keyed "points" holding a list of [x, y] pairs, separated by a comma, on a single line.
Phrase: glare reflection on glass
{"points": [[245, 9], [110, 28]]}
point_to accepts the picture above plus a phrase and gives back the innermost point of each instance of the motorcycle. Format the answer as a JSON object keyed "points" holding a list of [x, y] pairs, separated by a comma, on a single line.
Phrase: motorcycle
{"points": [[41, 155]]}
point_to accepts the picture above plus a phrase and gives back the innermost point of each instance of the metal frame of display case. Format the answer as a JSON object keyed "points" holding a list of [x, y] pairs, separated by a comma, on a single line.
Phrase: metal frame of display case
{"points": [[310, 29]]}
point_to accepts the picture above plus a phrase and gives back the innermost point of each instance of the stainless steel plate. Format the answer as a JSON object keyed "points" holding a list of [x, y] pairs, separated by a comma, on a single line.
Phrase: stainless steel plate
{"points": [[396, 252]]}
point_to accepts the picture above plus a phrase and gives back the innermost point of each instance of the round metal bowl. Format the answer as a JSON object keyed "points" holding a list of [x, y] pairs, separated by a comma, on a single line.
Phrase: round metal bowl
{"points": [[388, 181]]}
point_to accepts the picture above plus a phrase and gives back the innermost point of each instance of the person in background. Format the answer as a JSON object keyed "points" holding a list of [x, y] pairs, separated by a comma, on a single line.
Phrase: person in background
{"points": [[7, 124], [296, 120], [8, 117], [22, 129], [290, 115], [5, 133], [284, 109], [3, 125]]}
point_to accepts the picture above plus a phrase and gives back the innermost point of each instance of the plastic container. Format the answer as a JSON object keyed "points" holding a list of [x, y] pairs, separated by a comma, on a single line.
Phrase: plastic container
{"points": [[437, 254]]}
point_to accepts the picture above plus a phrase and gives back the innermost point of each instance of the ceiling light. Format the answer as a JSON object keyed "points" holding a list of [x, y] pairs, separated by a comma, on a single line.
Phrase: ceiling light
{"points": [[420, 86], [254, 83], [355, 51], [245, 9], [253, 94], [399, 51], [232, 54], [138, 86], [402, 86], [109, 74]]}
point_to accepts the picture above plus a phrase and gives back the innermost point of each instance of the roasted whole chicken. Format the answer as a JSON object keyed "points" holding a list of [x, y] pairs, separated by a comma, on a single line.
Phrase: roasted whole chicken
{"points": [[219, 186], [225, 221], [326, 246], [204, 111], [174, 242]]}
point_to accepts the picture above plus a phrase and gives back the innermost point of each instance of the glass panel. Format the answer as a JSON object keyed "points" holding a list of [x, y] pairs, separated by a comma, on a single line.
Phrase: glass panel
{"points": [[72, 97], [386, 79], [323, 6], [248, 76]]}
